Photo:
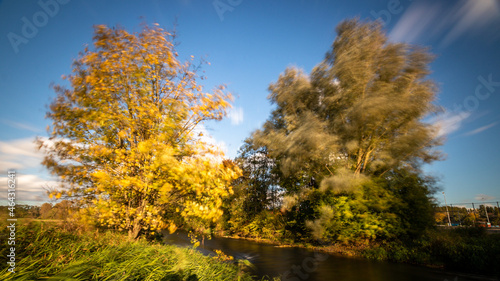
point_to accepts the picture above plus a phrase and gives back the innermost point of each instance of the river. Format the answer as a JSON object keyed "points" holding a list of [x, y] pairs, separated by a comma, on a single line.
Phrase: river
{"points": [[294, 263]]}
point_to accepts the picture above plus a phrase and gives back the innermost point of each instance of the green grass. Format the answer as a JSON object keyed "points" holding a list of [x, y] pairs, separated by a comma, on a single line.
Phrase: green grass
{"points": [[44, 252]]}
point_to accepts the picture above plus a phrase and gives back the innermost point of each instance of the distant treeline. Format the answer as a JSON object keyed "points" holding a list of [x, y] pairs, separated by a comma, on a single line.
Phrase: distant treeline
{"points": [[467, 216], [56, 211]]}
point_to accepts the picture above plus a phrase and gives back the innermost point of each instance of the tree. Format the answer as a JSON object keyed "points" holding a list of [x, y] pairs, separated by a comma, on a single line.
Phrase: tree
{"points": [[257, 178], [46, 211], [361, 108], [124, 136], [413, 204], [253, 208], [351, 127]]}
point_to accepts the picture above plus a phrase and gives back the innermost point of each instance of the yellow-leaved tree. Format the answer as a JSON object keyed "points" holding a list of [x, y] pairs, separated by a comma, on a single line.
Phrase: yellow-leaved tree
{"points": [[124, 136]]}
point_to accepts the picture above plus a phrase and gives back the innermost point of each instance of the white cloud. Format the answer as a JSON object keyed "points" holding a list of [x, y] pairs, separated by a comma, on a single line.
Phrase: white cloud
{"points": [[449, 122], [481, 129], [421, 21], [206, 137], [19, 154], [235, 115], [29, 188]]}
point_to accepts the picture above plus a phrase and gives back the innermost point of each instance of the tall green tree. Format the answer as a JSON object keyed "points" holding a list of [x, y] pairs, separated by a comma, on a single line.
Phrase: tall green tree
{"points": [[360, 109], [123, 138], [255, 191], [258, 179], [343, 128]]}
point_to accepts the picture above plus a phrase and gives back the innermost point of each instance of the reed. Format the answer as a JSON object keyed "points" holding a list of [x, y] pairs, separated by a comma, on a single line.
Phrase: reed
{"points": [[44, 251]]}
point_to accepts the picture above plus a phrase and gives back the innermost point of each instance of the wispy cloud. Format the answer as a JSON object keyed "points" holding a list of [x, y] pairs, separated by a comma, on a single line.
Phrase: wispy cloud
{"points": [[236, 115], [481, 129], [484, 197], [449, 122], [470, 16], [22, 126], [415, 22], [423, 21]]}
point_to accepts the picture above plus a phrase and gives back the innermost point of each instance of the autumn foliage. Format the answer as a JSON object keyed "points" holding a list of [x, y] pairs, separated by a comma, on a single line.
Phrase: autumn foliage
{"points": [[125, 138]]}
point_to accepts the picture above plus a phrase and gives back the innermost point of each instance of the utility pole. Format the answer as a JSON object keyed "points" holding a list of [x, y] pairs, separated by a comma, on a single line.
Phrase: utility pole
{"points": [[487, 217], [498, 212], [474, 212], [448, 213], [486, 212]]}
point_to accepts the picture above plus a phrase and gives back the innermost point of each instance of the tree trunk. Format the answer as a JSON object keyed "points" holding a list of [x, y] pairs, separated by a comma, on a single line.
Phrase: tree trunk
{"points": [[135, 230], [136, 226]]}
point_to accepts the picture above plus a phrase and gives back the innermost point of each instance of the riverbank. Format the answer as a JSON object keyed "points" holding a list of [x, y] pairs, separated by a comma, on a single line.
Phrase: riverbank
{"points": [[343, 250], [47, 251]]}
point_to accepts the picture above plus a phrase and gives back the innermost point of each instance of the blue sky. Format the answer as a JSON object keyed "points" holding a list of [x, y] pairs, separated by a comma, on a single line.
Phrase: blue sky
{"points": [[249, 43]]}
